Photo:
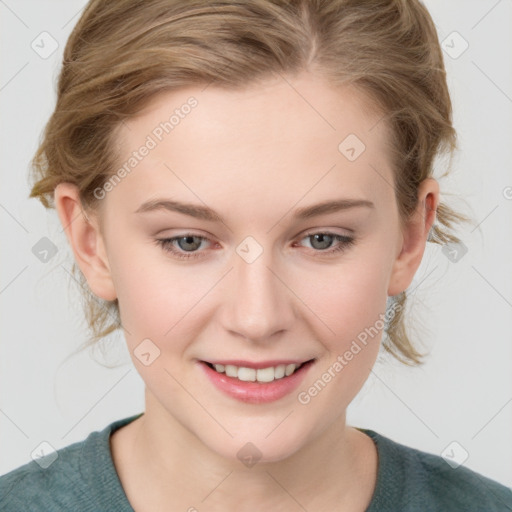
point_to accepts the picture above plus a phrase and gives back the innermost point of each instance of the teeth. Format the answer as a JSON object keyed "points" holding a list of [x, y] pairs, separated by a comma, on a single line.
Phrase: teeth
{"points": [[264, 374], [247, 374], [279, 371], [231, 371], [260, 375], [290, 368]]}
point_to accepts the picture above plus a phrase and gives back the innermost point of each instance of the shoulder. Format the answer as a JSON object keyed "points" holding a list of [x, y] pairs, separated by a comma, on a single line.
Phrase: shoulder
{"points": [[410, 479], [458, 486], [78, 477], [49, 483]]}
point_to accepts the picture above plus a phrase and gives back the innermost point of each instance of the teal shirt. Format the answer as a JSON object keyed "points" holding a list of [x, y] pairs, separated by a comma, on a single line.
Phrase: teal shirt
{"points": [[83, 478]]}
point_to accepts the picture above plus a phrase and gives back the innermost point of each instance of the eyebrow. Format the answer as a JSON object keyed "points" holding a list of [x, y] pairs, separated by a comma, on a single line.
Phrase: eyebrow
{"points": [[206, 213]]}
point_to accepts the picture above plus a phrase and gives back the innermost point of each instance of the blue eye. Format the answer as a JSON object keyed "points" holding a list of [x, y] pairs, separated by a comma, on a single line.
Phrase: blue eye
{"points": [[323, 238], [189, 239], [186, 246]]}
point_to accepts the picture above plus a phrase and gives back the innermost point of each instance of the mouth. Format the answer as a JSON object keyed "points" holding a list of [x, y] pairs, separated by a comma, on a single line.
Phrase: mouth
{"points": [[257, 372], [256, 382]]}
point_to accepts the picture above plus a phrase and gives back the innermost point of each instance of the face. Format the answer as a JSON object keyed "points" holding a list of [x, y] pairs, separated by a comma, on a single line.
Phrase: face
{"points": [[252, 273]]}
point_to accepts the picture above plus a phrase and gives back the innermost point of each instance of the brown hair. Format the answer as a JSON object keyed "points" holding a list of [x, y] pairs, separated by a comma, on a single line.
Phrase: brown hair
{"points": [[122, 53]]}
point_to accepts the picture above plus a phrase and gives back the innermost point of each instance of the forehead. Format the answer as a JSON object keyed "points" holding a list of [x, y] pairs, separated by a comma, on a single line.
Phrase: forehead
{"points": [[279, 141]]}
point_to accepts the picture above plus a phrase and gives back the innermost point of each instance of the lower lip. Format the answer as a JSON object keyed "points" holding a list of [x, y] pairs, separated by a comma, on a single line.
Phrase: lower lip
{"points": [[256, 392]]}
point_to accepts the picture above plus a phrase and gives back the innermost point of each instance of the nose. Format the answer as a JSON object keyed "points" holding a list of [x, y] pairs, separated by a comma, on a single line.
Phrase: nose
{"points": [[259, 305]]}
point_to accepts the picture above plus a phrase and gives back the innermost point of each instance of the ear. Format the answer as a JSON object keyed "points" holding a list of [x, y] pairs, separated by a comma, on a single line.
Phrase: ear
{"points": [[414, 237], [86, 240]]}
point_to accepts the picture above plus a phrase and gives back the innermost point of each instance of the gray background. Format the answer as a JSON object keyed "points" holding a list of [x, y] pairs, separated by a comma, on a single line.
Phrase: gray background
{"points": [[463, 309]]}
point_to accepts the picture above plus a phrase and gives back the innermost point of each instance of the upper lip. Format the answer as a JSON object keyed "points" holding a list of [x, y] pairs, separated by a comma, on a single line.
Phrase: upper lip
{"points": [[258, 364]]}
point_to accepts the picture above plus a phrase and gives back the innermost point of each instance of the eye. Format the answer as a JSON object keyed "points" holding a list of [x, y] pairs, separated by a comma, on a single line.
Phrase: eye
{"points": [[322, 241], [188, 245]]}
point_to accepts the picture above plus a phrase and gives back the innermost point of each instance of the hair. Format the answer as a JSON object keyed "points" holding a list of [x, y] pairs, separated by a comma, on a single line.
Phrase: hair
{"points": [[121, 54]]}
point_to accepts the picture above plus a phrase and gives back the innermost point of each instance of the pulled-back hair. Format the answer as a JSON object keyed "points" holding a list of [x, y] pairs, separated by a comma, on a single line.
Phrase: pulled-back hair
{"points": [[121, 53]]}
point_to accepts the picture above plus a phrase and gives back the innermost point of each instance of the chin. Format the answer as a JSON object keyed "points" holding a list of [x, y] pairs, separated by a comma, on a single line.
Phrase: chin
{"points": [[253, 446]]}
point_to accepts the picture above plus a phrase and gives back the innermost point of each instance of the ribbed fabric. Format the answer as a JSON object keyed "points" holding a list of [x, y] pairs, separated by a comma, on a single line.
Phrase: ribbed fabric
{"points": [[83, 479], [410, 480]]}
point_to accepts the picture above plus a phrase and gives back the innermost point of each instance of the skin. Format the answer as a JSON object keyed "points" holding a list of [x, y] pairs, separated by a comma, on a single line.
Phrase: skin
{"points": [[254, 155]]}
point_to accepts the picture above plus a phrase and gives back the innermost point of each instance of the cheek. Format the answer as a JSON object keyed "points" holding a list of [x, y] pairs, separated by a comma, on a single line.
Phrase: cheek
{"points": [[350, 300], [352, 304], [346, 298], [157, 297]]}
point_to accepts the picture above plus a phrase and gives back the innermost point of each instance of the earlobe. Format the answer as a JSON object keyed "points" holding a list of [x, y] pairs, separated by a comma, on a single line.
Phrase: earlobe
{"points": [[86, 240], [415, 237]]}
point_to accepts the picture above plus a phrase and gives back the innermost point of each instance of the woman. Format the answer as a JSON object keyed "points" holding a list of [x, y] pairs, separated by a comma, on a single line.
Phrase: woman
{"points": [[247, 187]]}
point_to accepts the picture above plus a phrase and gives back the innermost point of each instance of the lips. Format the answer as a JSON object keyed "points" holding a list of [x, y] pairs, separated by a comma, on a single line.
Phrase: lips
{"points": [[256, 382], [256, 364]]}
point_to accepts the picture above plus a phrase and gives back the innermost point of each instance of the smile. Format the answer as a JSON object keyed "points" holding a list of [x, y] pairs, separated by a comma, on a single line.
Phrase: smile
{"points": [[246, 374], [256, 383]]}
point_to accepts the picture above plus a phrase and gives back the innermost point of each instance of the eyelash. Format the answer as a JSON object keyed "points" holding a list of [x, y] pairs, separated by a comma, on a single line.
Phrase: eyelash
{"points": [[167, 244]]}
